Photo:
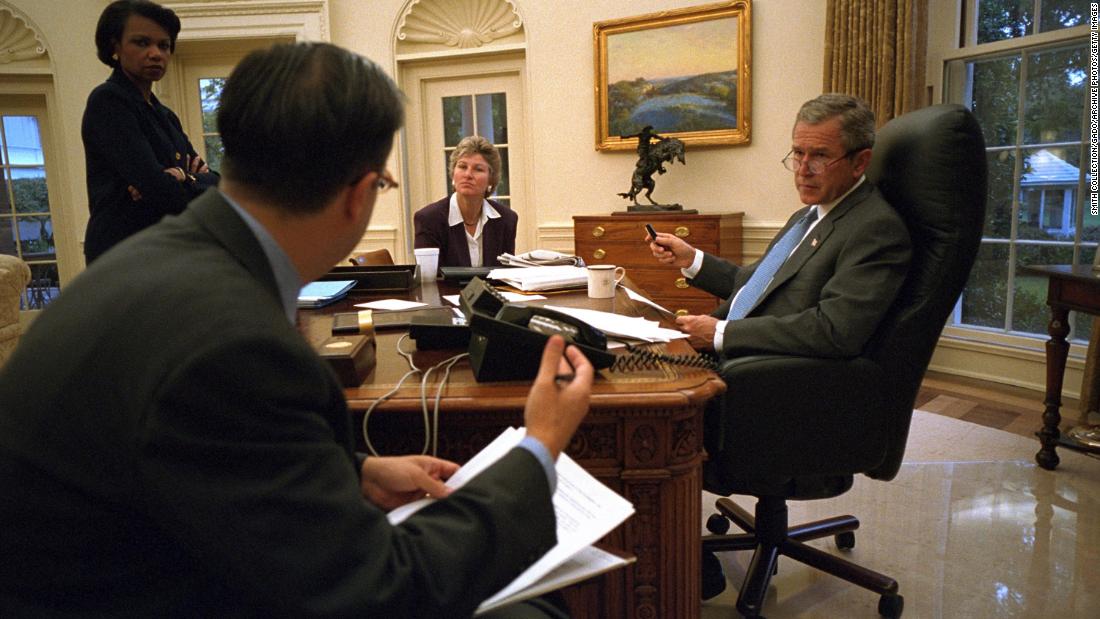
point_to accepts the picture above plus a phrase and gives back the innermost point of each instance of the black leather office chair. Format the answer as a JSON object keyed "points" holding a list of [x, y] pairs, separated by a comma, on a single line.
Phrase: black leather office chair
{"points": [[852, 416]]}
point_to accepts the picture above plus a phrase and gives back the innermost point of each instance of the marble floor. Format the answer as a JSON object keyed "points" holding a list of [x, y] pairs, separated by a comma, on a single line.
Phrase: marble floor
{"points": [[970, 527]]}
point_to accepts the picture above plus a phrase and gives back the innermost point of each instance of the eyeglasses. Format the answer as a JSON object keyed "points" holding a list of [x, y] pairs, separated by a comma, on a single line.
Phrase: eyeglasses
{"points": [[385, 182], [815, 165]]}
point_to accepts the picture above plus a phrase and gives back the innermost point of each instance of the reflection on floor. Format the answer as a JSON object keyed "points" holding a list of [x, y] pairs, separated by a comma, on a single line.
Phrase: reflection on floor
{"points": [[970, 527]]}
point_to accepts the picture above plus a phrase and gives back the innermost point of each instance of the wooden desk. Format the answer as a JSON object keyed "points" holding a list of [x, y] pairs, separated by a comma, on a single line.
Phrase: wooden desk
{"points": [[1071, 288], [642, 437]]}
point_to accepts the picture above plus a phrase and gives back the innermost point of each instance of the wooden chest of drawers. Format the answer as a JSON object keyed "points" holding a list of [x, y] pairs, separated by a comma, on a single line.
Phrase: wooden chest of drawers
{"points": [[618, 240]]}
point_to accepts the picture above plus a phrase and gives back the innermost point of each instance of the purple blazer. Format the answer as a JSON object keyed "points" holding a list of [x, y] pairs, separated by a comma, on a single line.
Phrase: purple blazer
{"points": [[497, 237]]}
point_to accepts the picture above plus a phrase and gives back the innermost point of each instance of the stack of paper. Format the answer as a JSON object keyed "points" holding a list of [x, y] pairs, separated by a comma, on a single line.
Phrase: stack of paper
{"points": [[540, 257], [631, 327], [317, 294], [586, 510], [542, 278]]}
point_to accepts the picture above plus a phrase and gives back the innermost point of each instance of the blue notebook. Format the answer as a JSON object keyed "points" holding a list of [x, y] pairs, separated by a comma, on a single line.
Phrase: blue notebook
{"points": [[319, 294]]}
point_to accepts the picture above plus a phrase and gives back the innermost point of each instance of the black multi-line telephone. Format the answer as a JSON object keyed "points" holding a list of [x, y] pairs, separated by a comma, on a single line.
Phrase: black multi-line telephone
{"points": [[507, 338]]}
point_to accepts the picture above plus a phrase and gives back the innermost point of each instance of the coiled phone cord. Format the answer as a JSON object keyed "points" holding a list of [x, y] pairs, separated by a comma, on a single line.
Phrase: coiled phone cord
{"points": [[642, 359], [431, 422]]}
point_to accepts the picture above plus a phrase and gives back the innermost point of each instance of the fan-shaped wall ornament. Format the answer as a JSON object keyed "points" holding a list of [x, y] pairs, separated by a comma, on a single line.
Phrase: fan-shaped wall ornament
{"points": [[17, 40], [458, 23]]}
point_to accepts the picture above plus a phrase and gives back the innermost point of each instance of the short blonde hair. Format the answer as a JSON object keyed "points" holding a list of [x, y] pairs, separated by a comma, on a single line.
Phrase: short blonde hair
{"points": [[477, 145]]}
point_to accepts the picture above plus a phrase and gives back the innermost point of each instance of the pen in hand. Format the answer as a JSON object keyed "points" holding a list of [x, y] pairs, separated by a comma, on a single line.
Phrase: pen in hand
{"points": [[566, 377]]}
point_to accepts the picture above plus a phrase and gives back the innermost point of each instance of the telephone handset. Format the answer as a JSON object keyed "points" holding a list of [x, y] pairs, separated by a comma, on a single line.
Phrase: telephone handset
{"points": [[509, 346], [550, 322], [481, 298], [507, 339]]}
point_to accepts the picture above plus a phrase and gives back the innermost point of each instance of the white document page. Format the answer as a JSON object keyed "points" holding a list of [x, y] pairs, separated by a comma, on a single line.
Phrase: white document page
{"points": [[511, 297], [586, 510], [541, 278], [643, 299], [494, 451], [627, 326], [589, 562]]}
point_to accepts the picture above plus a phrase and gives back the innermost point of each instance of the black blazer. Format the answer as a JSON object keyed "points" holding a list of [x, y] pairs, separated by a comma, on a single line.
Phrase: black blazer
{"points": [[171, 446], [830, 295], [497, 237], [128, 142]]}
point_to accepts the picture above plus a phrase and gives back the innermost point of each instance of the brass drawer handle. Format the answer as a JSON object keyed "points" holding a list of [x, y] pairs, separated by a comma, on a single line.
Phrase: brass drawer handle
{"points": [[681, 312], [681, 282], [682, 232], [598, 231], [599, 254]]}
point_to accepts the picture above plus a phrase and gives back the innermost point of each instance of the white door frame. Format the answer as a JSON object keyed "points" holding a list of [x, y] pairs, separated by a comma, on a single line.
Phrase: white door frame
{"points": [[423, 184]]}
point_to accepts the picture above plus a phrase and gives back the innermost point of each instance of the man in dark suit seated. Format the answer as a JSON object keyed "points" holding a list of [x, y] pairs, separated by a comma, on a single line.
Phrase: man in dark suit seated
{"points": [[831, 273], [171, 446]]}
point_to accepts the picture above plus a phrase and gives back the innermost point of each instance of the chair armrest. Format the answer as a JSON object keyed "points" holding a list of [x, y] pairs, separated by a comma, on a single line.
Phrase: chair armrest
{"points": [[793, 416]]}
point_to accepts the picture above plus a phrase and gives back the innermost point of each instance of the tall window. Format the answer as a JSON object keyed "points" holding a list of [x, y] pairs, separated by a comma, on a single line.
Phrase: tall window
{"points": [[210, 94], [485, 115], [1031, 98], [26, 228]]}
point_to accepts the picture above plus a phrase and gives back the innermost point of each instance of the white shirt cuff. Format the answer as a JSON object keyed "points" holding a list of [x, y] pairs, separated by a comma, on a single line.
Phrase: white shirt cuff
{"points": [[696, 265]]}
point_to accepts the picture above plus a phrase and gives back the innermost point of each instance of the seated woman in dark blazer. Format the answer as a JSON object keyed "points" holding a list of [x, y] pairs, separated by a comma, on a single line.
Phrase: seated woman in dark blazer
{"points": [[467, 227]]}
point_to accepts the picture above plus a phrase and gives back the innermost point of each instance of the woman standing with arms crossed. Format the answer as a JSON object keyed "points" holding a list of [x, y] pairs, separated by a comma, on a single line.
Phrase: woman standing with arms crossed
{"points": [[140, 165]]}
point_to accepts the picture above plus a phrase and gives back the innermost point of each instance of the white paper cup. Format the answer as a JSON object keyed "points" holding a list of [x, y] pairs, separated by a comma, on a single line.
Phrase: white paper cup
{"points": [[602, 279], [428, 259]]}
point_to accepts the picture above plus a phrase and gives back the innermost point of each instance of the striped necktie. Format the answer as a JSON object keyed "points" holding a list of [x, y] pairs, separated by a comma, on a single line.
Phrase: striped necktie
{"points": [[768, 267]]}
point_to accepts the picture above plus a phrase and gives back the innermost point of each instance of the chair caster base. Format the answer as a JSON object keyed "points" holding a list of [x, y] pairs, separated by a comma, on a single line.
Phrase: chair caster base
{"points": [[891, 605], [718, 524], [846, 540]]}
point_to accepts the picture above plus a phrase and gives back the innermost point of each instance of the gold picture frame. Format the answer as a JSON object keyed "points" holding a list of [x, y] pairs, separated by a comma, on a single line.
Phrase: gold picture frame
{"points": [[675, 70]]}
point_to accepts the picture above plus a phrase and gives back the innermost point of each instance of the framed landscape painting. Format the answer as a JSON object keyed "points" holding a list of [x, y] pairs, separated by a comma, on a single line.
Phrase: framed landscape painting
{"points": [[685, 72]]}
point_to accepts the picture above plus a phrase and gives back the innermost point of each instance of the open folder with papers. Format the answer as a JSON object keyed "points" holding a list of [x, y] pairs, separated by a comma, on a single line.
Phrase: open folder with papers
{"points": [[542, 278], [585, 509]]}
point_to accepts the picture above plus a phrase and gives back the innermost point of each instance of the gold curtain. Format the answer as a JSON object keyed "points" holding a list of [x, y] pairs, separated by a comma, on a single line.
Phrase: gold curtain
{"points": [[875, 49]]}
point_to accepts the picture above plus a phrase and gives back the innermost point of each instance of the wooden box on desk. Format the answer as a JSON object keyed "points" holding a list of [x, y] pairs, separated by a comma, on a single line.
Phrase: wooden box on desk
{"points": [[618, 240]]}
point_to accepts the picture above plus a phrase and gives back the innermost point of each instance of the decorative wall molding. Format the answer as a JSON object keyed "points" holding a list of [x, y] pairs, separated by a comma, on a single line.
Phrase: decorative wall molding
{"points": [[558, 237], [304, 20], [380, 238], [19, 40], [461, 24]]}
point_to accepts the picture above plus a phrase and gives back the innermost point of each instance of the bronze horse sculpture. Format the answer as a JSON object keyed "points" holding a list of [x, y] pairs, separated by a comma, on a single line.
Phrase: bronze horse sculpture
{"points": [[652, 158]]}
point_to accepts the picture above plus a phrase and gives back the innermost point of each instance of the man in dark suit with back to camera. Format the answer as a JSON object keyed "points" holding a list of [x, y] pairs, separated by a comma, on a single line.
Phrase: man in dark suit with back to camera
{"points": [[824, 283], [171, 446]]}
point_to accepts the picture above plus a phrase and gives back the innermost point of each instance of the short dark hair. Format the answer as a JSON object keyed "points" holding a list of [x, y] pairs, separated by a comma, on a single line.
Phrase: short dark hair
{"points": [[299, 121], [112, 21], [857, 121]]}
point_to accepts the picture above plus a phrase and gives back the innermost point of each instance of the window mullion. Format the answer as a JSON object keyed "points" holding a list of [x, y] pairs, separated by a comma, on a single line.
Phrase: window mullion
{"points": [[1017, 175], [1080, 204]]}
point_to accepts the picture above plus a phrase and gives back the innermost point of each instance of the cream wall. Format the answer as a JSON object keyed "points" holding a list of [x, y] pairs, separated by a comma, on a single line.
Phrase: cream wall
{"points": [[568, 176], [75, 72]]}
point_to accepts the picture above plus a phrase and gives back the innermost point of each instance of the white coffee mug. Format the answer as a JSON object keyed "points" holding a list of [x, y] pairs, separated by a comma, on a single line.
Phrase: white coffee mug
{"points": [[602, 279], [428, 259]]}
